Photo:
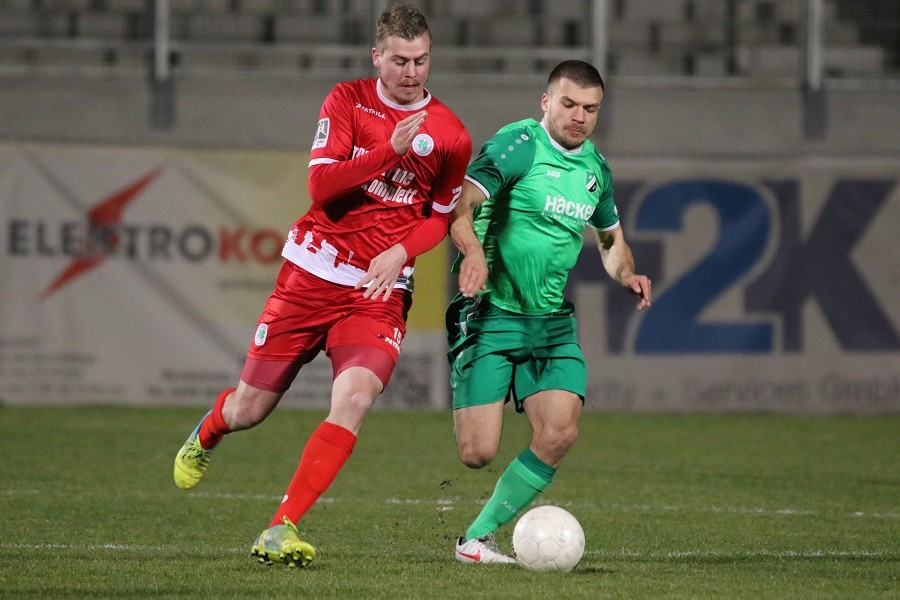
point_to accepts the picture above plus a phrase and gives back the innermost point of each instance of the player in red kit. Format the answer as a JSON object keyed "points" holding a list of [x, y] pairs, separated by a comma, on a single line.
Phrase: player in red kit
{"points": [[386, 169]]}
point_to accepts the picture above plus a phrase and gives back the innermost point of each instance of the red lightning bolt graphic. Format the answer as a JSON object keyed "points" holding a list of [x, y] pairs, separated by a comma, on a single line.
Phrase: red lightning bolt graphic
{"points": [[105, 215]]}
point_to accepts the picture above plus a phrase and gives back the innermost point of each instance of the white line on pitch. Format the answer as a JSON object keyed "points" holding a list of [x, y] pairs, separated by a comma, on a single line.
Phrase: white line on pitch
{"points": [[449, 503], [624, 554], [110, 547], [713, 554]]}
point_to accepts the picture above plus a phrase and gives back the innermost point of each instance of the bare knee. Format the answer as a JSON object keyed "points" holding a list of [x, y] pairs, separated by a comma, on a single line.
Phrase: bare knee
{"points": [[475, 457], [568, 436], [477, 430], [352, 396], [553, 443], [350, 411], [361, 403], [242, 417], [245, 409]]}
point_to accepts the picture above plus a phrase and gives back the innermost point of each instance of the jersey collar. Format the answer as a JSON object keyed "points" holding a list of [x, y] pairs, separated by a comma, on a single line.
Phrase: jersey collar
{"points": [[556, 144], [418, 105]]}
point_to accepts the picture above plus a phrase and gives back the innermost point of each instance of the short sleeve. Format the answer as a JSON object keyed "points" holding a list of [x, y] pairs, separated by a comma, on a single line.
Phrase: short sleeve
{"points": [[606, 216], [503, 160], [448, 185]]}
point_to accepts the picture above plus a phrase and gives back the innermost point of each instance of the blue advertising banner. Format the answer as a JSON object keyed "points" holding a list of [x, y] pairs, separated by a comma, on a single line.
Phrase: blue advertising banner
{"points": [[776, 287]]}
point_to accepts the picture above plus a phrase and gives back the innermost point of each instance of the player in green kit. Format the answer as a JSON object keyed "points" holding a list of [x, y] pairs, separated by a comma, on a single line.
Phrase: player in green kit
{"points": [[512, 335]]}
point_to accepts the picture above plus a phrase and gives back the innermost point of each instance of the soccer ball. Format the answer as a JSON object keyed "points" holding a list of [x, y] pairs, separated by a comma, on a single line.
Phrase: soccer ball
{"points": [[548, 538]]}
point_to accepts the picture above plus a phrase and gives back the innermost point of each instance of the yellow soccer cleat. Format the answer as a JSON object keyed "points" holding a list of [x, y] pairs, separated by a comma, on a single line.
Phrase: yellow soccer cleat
{"points": [[191, 462], [282, 543]]}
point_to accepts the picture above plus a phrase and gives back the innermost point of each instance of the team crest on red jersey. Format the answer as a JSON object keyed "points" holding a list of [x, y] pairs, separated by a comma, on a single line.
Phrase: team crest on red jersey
{"points": [[262, 332], [423, 144]]}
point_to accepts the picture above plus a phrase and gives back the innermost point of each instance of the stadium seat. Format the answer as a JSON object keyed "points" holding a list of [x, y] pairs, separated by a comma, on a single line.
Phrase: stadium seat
{"points": [[307, 29], [645, 37], [854, 60], [17, 23], [670, 11], [103, 25], [234, 28]]}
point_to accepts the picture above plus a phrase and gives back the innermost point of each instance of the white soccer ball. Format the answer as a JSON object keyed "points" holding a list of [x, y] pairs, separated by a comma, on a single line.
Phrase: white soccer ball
{"points": [[548, 538]]}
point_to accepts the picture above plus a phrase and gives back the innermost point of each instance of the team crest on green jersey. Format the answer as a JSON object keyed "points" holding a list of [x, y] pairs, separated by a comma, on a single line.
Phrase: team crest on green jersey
{"points": [[590, 181]]}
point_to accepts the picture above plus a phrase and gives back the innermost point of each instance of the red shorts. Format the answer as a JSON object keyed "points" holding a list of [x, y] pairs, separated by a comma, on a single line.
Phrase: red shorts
{"points": [[306, 314]]}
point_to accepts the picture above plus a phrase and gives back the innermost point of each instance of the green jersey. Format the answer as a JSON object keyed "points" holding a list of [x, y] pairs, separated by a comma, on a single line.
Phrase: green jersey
{"points": [[539, 198]]}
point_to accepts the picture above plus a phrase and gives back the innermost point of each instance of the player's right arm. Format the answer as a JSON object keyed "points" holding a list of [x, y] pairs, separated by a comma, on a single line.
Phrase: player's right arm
{"points": [[493, 170], [473, 269], [333, 170]]}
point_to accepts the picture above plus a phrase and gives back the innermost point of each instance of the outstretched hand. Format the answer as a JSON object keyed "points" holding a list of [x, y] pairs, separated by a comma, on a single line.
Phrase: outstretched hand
{"points": [[639, 285], [383, 273]]}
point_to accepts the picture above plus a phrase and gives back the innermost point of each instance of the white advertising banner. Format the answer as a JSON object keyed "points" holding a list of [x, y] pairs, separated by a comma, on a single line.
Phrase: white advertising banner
{"points": [[136, 275]]}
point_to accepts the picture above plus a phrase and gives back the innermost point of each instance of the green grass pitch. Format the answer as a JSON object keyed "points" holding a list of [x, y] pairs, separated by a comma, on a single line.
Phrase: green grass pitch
{"points": [[673, 506]]}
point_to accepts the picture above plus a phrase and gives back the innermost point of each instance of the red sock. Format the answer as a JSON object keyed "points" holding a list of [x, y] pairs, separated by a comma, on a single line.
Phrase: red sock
{"points": [[213, 428], [325, 453]]}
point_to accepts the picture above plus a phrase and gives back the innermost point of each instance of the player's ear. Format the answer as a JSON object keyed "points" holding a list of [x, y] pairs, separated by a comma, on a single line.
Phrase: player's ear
{"points": [[545, 101], [376, 58]]}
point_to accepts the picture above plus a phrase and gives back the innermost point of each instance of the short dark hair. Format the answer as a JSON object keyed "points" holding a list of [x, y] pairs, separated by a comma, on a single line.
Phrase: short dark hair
{"points": [[577, 71], [401, 20]]}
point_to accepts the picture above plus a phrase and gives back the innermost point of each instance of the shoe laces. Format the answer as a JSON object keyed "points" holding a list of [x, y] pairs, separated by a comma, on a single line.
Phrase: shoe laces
{"points": [[488, 540], [290, 525], [195, 451]]}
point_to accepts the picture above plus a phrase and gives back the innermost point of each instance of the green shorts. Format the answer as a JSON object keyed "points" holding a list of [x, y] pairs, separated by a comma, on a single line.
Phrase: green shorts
{"points": [[498, 355]]}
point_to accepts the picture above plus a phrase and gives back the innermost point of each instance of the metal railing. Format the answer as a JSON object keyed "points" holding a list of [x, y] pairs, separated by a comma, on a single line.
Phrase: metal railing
{"points": [[806, 44]]}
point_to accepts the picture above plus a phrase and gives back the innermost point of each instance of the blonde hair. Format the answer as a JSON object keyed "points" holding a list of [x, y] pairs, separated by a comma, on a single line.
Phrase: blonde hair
{"points": [[403, 21]]}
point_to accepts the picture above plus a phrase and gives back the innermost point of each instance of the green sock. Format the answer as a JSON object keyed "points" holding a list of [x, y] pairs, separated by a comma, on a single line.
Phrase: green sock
{"points": [[524, 478]]}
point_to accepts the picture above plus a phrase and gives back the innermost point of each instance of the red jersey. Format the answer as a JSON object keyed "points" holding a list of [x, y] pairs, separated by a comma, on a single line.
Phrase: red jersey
{"points": [[366, 198]]}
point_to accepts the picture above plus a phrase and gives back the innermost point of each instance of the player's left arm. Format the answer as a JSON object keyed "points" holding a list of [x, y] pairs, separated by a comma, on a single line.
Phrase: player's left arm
{"points": [[619, 263], [385, 268]]}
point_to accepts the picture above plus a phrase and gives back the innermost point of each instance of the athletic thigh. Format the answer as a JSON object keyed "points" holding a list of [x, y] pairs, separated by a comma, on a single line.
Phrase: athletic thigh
{"points": [[553, 409], [477, 430]]}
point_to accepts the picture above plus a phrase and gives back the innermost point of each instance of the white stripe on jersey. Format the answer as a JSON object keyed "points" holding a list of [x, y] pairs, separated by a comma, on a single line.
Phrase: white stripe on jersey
{"points": [[322, 263], [476, 183]]}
